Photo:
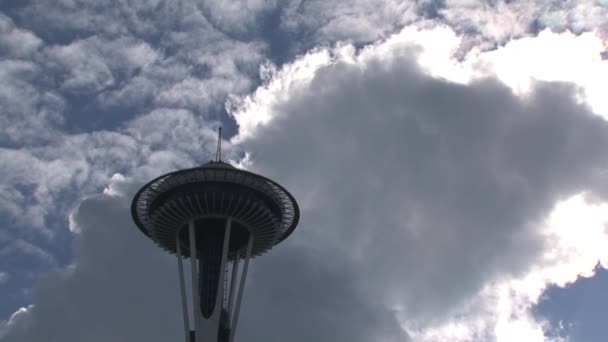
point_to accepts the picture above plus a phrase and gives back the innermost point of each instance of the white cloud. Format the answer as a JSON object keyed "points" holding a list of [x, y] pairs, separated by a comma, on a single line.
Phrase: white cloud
{"points": [[576, 240], [281, 84], [485, 24], [38, 180], [29, 115], [453, 237], [15, 322], [107, 275], [29, 250], [4, 277], [549, 56], [327, 123], [554, 57], [90, 68], [16, 42], [82, 71], [497, 21], [236, 17], [577, 15]]}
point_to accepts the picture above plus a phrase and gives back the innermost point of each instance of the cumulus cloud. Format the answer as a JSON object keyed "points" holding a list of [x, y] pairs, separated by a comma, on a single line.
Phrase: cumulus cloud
{"points": [[73, 66], [4, 277], [30, 115], [485, 24], [43, 185], [429, 169], [13, 247], [87, 90], [107, 294], [120, 278], [16, 42], [437, 191], [430, 210], [50, 178]]}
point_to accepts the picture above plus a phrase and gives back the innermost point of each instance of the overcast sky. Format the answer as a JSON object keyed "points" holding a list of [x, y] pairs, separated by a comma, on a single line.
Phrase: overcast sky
{"points": [[449, 158]]}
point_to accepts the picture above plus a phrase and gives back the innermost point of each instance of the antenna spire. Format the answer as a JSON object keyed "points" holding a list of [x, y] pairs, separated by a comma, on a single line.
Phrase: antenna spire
{"points": [[218, 153]]}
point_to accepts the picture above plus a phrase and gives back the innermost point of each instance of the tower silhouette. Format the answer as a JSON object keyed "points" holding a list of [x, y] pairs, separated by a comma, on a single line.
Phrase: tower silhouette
{"points": [[216, 215]]}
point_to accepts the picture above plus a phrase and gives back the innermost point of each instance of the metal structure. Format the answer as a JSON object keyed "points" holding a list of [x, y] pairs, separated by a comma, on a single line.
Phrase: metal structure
{"points": [[216, 215]]}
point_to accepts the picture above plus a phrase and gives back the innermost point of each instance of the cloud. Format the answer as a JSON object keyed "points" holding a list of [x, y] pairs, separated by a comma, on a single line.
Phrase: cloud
{"points": [[4, 277], [436, 191], [27, 250], [87, 90], [426, 165], [484, 24], [429, 210], [30, 115], [39, 182], [93, 67], [360, 21], [121, 279], [103, 297], [578, 16], [16, 42], [237, 18], [552, 57]]}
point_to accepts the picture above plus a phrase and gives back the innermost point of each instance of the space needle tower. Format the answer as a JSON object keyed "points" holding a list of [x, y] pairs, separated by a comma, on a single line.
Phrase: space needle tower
{"points": [[218, 216]]}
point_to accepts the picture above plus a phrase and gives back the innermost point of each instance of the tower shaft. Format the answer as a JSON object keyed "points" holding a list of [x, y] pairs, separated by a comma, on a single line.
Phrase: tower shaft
{"points": [[215, 215], [213, 292]]}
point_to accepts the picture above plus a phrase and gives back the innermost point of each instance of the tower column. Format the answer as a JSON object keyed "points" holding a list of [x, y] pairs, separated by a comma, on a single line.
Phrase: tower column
{"points": [[182, 288], [233, 279], [235, 315], [210, 327], [194, 270]]}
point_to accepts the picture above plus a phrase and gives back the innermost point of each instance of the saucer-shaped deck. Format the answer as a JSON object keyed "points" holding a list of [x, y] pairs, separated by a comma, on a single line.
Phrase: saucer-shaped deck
{"points": [[210, 195]]}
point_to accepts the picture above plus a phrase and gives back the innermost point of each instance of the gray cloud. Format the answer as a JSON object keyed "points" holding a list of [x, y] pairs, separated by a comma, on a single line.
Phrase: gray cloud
{"points": [[25, 249], [107, 295], [4, 278], [30, 115], [87, 90], [297, 295], [416, 193], [433, 190], [123, 288], [140, 87], [16, 42], [485, 24]]}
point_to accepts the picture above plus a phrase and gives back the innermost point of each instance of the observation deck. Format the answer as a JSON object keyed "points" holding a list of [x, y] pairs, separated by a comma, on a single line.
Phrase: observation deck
{"points": [[210, 194], [215, 215]]}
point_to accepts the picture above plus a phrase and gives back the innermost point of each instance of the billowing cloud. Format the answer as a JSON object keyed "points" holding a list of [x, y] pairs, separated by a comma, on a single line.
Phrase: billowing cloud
{"points": [[124, 281], [91, 90], [428, 210], [437, 191], [439, 167], [107, 294]]}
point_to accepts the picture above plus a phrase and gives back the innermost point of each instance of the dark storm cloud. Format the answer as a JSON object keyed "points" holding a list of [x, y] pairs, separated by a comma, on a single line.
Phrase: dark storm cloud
{"points": [[416, 193], [431, 189]]}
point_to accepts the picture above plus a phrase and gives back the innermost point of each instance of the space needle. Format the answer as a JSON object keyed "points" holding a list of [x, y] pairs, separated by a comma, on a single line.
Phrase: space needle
{"points": [[217, 216]]}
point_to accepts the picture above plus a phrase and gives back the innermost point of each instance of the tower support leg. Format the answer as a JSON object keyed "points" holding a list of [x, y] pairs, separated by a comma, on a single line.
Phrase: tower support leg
{"points": [[235, 315], [233, 280], [216, 323], [211, 326], [194, 270], [182, 288]]}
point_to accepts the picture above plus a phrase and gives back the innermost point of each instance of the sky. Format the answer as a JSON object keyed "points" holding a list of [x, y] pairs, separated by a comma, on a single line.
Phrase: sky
{"points": [[448, 157]]}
